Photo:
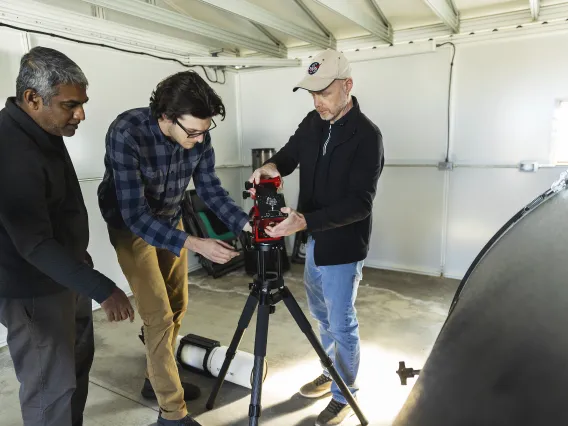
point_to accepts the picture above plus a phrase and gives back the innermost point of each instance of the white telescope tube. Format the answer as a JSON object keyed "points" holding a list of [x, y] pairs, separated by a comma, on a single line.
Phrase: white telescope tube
{"points": [[197, 358], [190, 355]]}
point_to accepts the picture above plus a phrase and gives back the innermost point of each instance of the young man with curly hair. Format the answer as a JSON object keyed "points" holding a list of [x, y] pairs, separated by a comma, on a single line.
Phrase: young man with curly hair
{"points": [[151, 155]]}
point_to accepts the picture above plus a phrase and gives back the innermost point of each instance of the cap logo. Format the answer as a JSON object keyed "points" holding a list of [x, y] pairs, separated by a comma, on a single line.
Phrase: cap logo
{"points": [[314, 67]]}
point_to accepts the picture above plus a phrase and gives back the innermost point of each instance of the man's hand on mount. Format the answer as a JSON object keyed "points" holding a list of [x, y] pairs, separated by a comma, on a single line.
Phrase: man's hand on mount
{"points": [[215, 250], [269, 170], [295, 222]]}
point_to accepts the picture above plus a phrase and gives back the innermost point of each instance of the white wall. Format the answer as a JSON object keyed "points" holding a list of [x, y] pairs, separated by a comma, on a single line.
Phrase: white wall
{"points": [[504, 102], [425, 220], [118, 81]]}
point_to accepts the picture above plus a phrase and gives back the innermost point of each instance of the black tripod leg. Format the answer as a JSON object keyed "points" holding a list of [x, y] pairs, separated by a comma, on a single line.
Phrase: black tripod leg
{"points": [[243, 324], [307, 329], [259, 355]]}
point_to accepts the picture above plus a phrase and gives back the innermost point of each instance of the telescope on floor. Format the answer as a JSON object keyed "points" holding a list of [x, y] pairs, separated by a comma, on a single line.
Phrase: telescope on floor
{"points": [[205, 356], [266, 290], [500, 356]]}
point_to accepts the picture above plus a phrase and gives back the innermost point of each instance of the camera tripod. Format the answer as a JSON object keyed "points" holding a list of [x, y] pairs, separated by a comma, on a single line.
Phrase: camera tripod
{"points": [[262, 294]]}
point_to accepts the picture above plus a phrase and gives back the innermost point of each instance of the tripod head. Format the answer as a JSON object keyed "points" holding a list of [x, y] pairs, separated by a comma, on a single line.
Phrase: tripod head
{"points": [[266, 211]]}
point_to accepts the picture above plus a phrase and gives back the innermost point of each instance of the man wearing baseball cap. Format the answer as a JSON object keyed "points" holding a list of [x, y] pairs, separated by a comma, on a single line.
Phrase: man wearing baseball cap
{"points": [[341, 155]]}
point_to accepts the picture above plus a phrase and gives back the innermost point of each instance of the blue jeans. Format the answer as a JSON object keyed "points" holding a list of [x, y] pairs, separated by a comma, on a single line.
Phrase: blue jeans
{"points": [[332, 291]]}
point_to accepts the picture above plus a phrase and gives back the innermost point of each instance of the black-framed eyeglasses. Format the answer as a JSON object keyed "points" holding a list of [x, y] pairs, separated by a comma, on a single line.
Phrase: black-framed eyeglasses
{"points": [[196, 134]]}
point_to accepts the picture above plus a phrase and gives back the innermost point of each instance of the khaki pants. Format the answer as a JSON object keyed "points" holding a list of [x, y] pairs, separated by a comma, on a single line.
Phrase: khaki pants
{"points": [[158, 279]]}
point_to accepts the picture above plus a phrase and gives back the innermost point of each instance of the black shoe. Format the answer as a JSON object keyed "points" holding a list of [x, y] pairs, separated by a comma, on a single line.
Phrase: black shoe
{"points": [[190, 392], [186, 421]]}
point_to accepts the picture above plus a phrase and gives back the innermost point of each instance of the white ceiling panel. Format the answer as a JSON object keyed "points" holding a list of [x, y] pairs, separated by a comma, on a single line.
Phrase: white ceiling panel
{"points": [[410, 20], [279, 22], [162, 29], [217, 17], [407, 13], [364, 6], [339, 26], [478, 8], [285, 39], [76, 6], [362, 13], [551, 2], [288, 10], [475, 4]]}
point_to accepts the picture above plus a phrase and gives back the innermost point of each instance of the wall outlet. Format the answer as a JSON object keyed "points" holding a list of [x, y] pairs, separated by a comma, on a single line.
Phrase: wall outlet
{"points": [[528, 166]]}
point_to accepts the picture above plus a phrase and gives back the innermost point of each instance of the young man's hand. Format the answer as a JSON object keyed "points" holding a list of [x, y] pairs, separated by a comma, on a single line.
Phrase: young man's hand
{"points": [[117, 307], [215, 250]]}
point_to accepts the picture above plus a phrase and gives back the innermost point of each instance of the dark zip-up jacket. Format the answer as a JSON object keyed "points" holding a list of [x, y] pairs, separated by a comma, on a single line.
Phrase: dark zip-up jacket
{"points": [[44, 231], [337, 189]]}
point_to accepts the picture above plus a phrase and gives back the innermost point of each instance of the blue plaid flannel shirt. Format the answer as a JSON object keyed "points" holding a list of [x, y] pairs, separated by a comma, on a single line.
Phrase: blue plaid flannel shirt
{"points": [[146, 178]]}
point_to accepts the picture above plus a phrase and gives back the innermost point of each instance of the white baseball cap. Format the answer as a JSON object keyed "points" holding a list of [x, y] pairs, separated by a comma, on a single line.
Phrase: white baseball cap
{"points": [[324, 69]]}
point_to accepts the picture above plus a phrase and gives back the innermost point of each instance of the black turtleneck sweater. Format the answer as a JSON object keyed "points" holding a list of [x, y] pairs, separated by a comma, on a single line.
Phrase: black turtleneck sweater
{"points": [[330, 138], [44, 231]]}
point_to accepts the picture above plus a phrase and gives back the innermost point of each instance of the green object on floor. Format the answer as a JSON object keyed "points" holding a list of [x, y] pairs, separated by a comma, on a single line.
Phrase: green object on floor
{"points": [[211, 232]]}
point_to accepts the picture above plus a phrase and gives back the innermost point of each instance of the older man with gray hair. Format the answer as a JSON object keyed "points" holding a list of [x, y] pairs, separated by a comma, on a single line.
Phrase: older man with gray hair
{"points": [[47, 278]]}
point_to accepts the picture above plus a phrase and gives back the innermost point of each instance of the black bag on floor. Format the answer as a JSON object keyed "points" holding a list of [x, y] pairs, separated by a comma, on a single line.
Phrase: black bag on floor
{"points": [[200, 221]]}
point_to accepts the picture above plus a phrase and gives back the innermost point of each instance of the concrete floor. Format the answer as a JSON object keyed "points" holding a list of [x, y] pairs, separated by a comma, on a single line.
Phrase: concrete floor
{"points": [[400, 315]]}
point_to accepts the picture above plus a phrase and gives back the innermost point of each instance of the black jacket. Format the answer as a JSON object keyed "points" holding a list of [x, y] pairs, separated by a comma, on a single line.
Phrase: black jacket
{"points": [[44, 230], [336, 189]]}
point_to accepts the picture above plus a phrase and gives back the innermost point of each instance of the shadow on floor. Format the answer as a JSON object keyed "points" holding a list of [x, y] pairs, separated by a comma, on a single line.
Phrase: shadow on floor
{"points": [[295, 404], [229, 393]]}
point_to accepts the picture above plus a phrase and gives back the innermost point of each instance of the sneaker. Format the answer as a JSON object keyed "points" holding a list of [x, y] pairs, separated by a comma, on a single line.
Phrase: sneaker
{"points": [[334, 414], [190, 392], [318, 388], [186, 421]]}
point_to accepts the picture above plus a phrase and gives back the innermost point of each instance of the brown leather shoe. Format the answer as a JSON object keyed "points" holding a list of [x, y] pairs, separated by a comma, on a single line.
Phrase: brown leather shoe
{"points": [[317, 388], [334, 414]]}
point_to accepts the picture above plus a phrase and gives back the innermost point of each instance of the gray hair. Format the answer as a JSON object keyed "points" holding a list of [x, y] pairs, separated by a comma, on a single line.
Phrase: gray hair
{"points": [[43, 69]]}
